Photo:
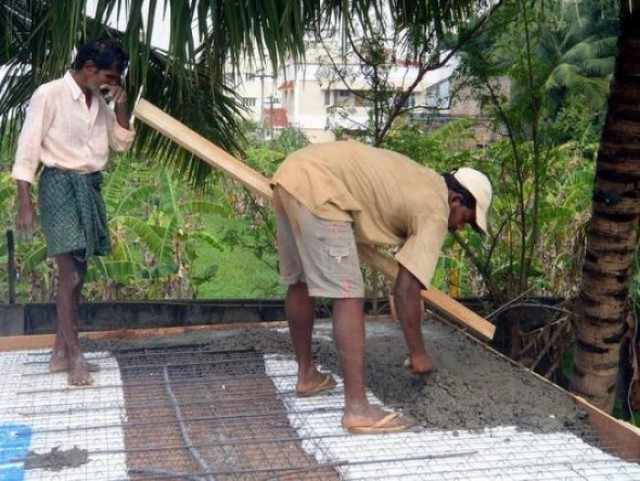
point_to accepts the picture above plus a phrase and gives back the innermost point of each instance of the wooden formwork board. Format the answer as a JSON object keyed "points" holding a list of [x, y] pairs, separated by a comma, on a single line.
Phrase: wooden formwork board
{"points": [[41, 341], [254, 181]]}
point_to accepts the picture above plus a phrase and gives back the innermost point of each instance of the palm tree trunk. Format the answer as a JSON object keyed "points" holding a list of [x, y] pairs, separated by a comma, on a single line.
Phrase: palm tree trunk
{"points": [[612, 236]]}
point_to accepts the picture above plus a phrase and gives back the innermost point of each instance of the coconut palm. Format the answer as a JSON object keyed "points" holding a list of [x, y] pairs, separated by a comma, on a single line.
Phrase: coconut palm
{"points": [[580, 53], [612, 237], [207, 39]]}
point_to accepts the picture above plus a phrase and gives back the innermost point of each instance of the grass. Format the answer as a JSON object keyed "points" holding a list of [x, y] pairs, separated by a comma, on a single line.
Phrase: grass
{"points": [[235, 272]]}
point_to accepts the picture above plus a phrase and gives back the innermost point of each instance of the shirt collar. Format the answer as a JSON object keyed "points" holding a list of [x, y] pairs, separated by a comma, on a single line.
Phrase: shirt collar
{"points": [[76, 91]]}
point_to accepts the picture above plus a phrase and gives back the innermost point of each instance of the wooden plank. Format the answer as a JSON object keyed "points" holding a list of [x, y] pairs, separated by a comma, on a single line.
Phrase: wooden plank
{"points": [[201, 147], [616, 437], [434, 298], [41, 341], [254, 181]]}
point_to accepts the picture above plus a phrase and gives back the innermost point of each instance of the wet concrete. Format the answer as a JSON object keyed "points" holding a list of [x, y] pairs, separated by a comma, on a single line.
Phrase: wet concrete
{"points": [[473, 387], [56, 459]]}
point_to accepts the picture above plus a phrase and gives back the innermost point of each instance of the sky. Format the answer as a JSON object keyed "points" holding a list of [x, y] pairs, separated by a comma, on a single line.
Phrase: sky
{"points": [[160, 35]]}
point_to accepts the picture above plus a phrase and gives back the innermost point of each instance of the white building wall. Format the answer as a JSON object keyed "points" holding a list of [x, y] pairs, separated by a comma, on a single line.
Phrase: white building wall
{"points": [[298, 90]]}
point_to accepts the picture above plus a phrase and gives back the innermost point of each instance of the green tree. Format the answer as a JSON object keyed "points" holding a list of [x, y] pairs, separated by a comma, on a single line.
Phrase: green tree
{"points": [[514, 68], [207, 39], [612, 236], [580, 53], [368, 63], [154, 226]]}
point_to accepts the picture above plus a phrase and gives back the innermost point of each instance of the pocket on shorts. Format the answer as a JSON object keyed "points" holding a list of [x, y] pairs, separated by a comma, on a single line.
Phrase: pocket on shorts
{"points": [[340, 254]]}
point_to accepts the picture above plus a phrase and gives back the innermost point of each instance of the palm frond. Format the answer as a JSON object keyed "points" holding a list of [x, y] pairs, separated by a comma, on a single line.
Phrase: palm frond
{"points": [[186, 77], [598, 67]]}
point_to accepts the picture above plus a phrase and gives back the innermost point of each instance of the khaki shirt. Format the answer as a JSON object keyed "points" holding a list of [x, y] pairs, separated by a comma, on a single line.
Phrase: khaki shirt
{"points": [[391, 200], [62, 132]]}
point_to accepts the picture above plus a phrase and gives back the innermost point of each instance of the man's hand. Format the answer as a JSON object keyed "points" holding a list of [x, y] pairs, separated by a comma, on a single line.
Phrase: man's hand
{"points": [[406, 294], [420, 364], [118, 95], [25, 218], [115, 94]]}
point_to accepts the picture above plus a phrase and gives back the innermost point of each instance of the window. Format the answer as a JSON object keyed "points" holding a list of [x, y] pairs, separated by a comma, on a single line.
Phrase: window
{"points": [[249, 101], [437, 95], [327, 97]]}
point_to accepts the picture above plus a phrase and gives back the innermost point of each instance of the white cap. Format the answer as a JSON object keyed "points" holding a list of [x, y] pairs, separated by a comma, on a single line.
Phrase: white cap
{"points": [[479, 187]]}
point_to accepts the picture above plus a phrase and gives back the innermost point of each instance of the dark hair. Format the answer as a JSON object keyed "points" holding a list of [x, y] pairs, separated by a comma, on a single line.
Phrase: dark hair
{"points": [[468, 200], [106, 54]]}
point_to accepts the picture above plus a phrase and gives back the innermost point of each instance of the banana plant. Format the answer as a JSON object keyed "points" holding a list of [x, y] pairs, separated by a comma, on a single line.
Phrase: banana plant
{"points": [[154, 227]]}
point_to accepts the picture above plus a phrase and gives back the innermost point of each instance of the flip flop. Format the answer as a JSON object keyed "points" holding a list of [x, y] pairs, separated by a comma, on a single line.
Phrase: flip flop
{"points": [[381, 426], [327, 384]]}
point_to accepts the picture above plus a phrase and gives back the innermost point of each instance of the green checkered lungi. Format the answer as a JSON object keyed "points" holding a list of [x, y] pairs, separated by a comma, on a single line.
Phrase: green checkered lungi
{"points": [[72, 214]]}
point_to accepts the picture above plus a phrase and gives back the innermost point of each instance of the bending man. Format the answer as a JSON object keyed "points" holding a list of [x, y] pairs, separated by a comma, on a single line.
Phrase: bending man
{"points": [[327, 198], [69, 128]]}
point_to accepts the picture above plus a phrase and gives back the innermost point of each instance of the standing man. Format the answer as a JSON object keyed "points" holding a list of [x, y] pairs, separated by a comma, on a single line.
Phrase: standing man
{"points": [[327, 198], [69, 127]]}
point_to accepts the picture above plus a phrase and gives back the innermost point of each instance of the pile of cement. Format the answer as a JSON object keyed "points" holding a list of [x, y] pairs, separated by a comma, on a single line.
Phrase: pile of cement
{"points": [[473, 388]]}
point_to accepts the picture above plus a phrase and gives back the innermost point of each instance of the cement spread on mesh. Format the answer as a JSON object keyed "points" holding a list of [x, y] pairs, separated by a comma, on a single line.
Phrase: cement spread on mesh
{"points": [[55, 432]]}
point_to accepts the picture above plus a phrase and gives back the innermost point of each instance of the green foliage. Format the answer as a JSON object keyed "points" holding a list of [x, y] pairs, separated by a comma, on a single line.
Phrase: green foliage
{"points": [[188, 77], [289, 140], [441, 149], [256, 227], [538, 216], [512, 258], [554, 54], [235, 272], [541, 70]]}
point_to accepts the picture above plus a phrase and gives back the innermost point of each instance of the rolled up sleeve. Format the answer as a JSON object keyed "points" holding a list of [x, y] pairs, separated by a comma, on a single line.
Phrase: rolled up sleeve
{"points": [[120, 139], [419, 254], [38, 118]]}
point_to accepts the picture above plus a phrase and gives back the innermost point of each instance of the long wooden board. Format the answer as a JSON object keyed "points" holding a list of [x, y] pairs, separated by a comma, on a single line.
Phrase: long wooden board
{"points": [[256, 182], [42, 341], [203, 148]]}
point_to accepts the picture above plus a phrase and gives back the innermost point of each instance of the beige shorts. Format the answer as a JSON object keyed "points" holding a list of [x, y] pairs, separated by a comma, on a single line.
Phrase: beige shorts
{"points": [[321, 253]]}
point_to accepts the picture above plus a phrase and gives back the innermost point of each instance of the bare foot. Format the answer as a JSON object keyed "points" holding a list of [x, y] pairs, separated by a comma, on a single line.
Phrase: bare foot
{"points": [[79, 373], [60, 363], [373, 420]]}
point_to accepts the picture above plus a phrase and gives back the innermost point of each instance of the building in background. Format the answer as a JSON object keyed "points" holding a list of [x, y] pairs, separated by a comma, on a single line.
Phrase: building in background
{"points": [[305, 96]]}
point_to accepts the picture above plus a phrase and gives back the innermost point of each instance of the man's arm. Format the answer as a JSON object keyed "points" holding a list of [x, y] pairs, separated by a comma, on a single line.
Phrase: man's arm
{"points": [[406, 294], [121, 135]]}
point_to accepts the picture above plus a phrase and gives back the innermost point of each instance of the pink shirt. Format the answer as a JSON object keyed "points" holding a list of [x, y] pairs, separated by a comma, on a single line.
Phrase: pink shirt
{"points": [[62, 132]]}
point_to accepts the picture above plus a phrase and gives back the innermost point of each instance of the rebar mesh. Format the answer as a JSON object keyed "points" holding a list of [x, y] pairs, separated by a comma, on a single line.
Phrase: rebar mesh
{"points": [[197, 412], [217, 416]]}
